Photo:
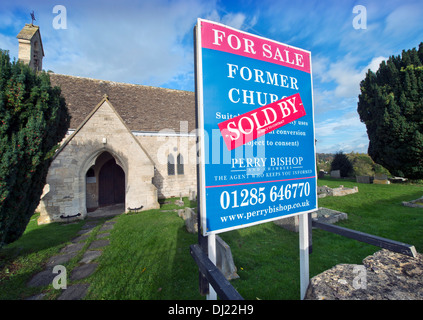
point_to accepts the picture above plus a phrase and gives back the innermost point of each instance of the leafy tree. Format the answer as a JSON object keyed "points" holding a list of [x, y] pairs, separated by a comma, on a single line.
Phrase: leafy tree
{"points": [[362, 164], [342, 163], [391, 106], [33, 120]]}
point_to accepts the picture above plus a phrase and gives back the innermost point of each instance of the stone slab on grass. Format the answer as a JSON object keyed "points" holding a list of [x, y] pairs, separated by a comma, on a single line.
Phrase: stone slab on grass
{"points": [[74, 292], [61, 258], [72, 247], [103, 235], [106, 227], [80, 238], [85, 231], [90, 255], [42, 278], [83, 271], [99, 243]]}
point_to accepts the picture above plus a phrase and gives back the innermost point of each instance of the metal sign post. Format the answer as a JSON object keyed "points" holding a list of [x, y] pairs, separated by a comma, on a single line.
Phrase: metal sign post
{"points": [[255, 120], [304, 254], [212, 256]]}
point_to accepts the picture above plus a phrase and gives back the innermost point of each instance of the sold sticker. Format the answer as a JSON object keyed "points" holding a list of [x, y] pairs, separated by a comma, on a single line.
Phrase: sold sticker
{"points": [[256, 123]]}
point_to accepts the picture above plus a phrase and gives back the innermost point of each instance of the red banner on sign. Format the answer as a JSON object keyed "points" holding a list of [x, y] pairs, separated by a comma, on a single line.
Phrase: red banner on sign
{"points": [[256, 123], [226, 39]]}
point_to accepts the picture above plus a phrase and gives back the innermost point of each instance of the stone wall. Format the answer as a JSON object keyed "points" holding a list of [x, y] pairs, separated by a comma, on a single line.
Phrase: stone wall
{"points": [[159, 148]]}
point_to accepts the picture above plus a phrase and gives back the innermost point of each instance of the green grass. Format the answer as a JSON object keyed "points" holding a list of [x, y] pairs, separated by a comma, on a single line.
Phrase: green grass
{"points": [[26, 256], [148, 257]]}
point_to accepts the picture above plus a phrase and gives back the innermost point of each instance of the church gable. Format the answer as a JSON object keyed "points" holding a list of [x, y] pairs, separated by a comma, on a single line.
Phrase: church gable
{"points": [[81, 160], [103, 128]]}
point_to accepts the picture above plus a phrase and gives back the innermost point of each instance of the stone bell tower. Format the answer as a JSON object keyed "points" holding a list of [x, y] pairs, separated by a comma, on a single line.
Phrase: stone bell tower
{"points": [[31, 49]]}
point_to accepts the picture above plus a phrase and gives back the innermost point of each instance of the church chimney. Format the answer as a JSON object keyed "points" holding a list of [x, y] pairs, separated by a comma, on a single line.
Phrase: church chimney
{"points": [[31, 49]]}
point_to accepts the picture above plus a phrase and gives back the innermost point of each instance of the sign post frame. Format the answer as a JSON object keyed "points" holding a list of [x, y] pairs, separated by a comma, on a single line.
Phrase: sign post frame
{"points": [[304, 253]]}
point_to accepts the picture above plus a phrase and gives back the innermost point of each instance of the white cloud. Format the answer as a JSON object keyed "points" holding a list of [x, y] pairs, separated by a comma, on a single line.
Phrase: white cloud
{"points": [[148, 42], [145, 42], [6, 43], [344, 132], [404, 19], [347, 123], [141, 43], [345, 74], [237, 20]]}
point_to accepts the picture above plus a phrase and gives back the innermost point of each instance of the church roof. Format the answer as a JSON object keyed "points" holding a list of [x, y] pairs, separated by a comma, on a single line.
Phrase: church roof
{"points": [[28, 32], [142, 108]]}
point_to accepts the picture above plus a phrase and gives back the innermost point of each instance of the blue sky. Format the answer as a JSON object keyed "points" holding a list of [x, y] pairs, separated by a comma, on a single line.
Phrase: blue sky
{"points": [[151, 43]]}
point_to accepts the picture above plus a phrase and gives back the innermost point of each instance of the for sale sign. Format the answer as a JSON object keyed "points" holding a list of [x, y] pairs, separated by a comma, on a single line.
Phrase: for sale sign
{"points": [[256, 129]]}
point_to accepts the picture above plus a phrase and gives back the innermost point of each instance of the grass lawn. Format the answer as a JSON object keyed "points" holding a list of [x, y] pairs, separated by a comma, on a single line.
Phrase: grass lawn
{"points": [[148, 259], [26, 256], [148, 256]]}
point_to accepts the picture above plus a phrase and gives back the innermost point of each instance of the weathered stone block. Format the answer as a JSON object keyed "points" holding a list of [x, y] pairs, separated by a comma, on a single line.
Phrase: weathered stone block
{"points": [[322, 214], [385, 275], [377, 181], [190, 217], [335, 174], [290, 223], [363, 179], [224, 259]]}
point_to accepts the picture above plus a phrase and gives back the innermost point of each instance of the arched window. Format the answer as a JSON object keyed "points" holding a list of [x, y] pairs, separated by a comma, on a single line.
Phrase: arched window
{"points": [[180, 164], [170, 165]]}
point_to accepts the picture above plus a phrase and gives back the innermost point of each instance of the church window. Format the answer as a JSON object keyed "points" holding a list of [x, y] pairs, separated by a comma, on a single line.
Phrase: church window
{"points": [[170, 165], [180, 164]]}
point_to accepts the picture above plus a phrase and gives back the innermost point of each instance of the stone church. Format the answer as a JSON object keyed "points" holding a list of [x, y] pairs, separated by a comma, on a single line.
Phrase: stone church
{"points": [[127, 144]]}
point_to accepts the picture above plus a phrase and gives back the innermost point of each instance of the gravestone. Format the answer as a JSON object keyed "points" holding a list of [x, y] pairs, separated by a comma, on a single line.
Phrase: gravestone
{"points": [[190, 217], [335, 174], [363, 179], [322, 215], [290, 223], [381, 179], [224, 259]]}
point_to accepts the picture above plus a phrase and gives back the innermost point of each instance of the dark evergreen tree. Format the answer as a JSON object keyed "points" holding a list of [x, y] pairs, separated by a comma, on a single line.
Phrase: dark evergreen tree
{"points": [[391, 106], [33, 120], [342, 163]]}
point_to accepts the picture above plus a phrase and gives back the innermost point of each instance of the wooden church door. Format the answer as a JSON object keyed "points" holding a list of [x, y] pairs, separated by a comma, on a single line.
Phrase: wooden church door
{"points": [[111, 184]]}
